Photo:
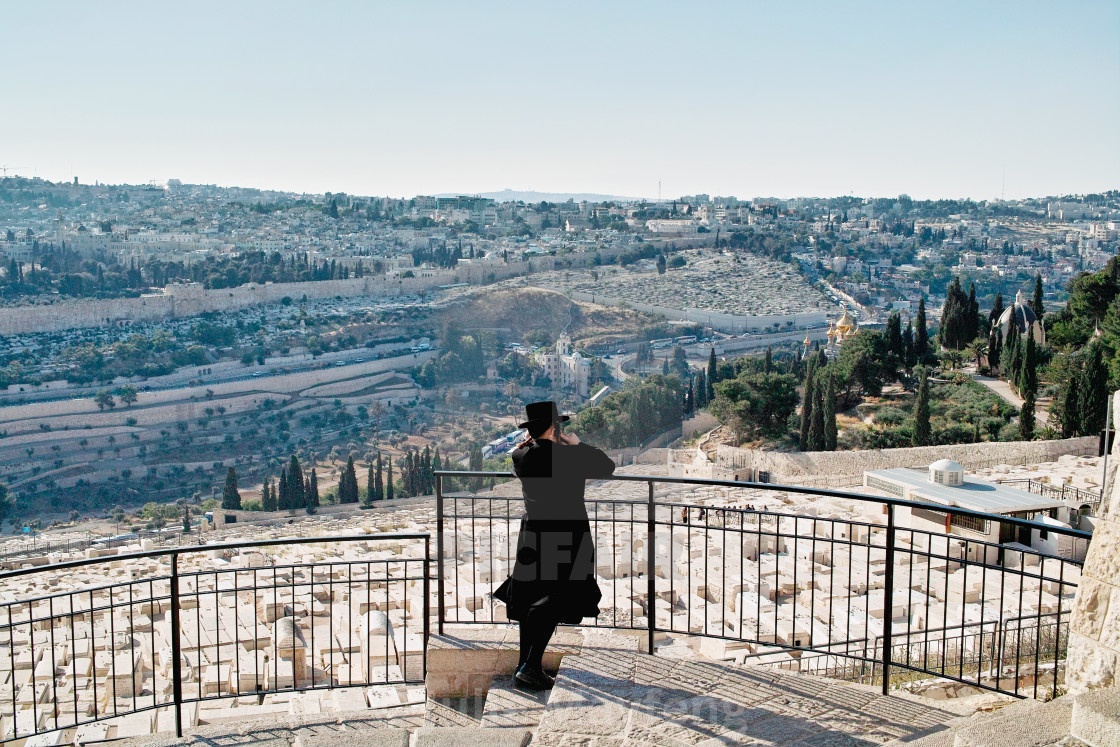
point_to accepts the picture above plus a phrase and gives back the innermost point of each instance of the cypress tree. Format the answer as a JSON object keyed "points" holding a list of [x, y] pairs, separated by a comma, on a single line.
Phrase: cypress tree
{"points": [[389, 479], [348, 483], [908, 346], [266, 496], [231, 498], [435, 465], [807, 405], [378, 481], [370, 492], [426, 476], [713, 373], [1070, 421], [701, 388], [271, 505], [313, 490], [1026, 417], [768, 363], [1036, 299], [1028, 377], [816, 426], [972, 317], [830, 414], [1092, 395], [923, 434], [921, 332], [894, 337], [295, 484]]}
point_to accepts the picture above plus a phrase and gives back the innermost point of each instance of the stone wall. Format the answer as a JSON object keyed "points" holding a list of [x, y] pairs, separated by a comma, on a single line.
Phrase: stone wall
{"points": [[972, 456], [1093, 659], [190, 299]]}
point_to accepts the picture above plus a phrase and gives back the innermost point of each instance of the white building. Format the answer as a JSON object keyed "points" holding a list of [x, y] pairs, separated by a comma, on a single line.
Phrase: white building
{"points": [[944, 485], [567, 370]]}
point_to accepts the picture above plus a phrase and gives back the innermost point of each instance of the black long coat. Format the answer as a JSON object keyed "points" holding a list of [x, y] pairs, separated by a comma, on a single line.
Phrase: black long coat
{"points": [[555, 547]]}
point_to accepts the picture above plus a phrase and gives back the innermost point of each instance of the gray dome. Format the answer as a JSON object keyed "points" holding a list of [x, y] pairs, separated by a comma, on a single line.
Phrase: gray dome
{"points": [[1020, 317]]}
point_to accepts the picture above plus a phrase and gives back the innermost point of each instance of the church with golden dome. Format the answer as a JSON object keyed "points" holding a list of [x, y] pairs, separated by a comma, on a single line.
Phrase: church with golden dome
{"points": [[840, 330]]}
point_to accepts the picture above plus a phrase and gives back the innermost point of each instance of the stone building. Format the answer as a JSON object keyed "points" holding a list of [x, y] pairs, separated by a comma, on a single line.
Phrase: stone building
{"points": [[1020, 317], [567, 369]]}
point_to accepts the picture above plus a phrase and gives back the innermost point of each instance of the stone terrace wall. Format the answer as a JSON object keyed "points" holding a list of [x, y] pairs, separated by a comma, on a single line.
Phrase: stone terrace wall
{"points": [[1093, 659], [972, 456]]}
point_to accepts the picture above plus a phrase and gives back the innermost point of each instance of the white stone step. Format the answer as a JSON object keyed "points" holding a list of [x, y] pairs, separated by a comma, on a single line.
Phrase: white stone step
{"points": [[1096, 717], [449, 736], [507, 705], [1028, 723]]}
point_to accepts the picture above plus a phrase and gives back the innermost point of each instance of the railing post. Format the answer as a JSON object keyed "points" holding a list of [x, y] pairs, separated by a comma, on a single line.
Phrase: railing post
{"points": [[176, 648], [439, 552], [888, 610], [427, 599], [651, 607]]}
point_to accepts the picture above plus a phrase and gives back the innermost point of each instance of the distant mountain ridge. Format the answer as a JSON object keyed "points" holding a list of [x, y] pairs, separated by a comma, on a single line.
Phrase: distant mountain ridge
{"points": [[511, 195]]}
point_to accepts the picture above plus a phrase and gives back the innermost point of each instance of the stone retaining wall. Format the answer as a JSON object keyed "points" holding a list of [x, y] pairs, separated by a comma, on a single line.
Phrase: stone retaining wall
{"points": [[1093, 658], [972, 456]]}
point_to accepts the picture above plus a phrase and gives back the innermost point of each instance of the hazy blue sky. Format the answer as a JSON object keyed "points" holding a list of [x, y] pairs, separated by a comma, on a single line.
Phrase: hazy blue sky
{"points": [[744, 98]]}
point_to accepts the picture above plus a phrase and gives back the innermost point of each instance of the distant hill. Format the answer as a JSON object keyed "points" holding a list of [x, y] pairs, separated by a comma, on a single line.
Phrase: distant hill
{"points": [[510, 195]]}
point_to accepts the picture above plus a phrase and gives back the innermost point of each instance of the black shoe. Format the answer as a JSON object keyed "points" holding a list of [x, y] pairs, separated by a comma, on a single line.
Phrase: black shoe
{"points": [[533, 678]]}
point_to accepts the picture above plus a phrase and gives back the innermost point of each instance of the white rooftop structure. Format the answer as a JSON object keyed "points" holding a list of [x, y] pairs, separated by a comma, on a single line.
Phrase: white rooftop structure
{"points": [[974, 494], [946, 472]]}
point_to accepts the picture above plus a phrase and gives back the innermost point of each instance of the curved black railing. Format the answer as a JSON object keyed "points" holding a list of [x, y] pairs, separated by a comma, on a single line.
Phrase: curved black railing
{"points": [[915, 587], [171, 638]]}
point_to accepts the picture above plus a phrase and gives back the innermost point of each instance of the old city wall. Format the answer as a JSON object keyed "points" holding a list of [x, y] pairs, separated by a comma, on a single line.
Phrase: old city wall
{"points": [[190, 299], [972, 456]]}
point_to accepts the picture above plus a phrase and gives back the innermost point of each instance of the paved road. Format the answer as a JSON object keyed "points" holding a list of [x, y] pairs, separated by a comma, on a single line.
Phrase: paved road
{"points": [[1003, 389]]}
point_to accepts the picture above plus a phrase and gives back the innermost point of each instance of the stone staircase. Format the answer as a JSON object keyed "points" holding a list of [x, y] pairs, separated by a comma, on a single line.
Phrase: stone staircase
{"points": [[1091, 719], [609, 692]]}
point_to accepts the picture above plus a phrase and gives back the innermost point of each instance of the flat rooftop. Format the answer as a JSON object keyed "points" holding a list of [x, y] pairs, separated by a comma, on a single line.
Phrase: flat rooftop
{"points": [[975, 494]]}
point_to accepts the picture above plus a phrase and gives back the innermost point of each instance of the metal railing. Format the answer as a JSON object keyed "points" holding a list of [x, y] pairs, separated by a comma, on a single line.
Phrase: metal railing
{"points": [[1057, 492], [885, 594], [177, 630]]}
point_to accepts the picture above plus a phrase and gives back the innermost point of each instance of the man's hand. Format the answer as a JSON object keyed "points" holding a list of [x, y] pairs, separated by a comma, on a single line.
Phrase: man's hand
{"points": [[570, 439]]}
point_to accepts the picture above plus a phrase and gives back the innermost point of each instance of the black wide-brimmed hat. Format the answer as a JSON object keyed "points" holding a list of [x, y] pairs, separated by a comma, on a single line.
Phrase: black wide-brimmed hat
{"points": [[542, 412]]}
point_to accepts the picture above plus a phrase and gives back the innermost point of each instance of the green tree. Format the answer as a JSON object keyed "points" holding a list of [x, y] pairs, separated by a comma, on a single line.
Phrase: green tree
{"points": [[313, 490], [921, 333], [127, 394], [231, 498], [378, 481], [830, 435], [1092, 393], [1026, 417], [296, 497], [348, 483], [268, 496], [756, 405], [1036, 299], [103, 399], [807, 405], [389, 479], [864, 363], [923, 434], [816, 425], [370, 490], [661, 264]]}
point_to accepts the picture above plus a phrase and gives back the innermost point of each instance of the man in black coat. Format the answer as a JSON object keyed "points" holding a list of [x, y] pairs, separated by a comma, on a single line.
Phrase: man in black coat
{"points": [[553, 578]]}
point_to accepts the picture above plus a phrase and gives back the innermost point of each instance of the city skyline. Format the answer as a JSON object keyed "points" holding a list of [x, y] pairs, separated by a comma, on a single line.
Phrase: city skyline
{"points": [[950, 101]]}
